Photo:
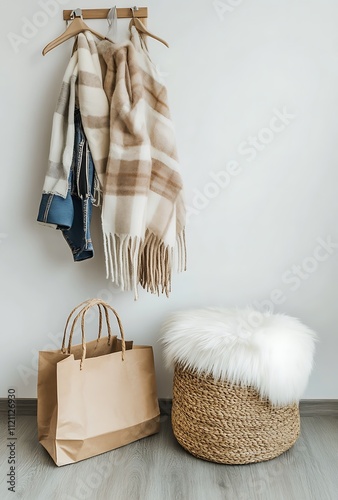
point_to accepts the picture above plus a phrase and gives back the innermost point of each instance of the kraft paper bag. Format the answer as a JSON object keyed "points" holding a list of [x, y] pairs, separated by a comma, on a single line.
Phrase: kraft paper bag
{"points": [[95, 396]]}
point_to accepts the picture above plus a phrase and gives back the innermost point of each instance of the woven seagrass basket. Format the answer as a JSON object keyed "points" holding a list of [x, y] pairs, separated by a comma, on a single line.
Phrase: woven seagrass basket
{"points": [[229, 424]]}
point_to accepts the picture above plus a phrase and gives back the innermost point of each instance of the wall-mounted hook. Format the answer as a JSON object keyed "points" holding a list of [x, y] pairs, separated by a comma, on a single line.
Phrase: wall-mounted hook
{"points": [[76, 13], [134, 9], [112, 22]]}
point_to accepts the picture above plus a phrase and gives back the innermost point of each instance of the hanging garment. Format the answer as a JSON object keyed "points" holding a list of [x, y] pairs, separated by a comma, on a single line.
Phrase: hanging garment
{"points": [[71, 182], [126, 120], [63, 134], [72, 215], [143, 213], [82, 85]]}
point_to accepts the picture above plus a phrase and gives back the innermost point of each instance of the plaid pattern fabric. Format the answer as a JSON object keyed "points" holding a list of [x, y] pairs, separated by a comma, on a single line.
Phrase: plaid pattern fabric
{"points": [[82, 85], [143, 213], [126, 119], [93, 102], [63, 130]]}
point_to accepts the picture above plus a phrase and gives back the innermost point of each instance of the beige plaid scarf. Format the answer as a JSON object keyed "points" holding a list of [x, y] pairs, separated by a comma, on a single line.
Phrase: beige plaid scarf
{"points": [[143, 214], [82, 85]]}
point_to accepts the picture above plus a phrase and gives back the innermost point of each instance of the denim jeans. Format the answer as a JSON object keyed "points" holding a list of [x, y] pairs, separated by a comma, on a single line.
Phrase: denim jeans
{"points": [[72, 215]]}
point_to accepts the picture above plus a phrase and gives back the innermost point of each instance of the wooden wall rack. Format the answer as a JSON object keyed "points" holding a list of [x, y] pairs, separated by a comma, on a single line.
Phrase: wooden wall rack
{"points": [[122, 13]]}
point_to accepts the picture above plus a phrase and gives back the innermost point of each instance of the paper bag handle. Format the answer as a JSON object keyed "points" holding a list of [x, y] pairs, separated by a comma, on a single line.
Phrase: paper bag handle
{"points": [[63, 348], [86, 306], [88, 303]]}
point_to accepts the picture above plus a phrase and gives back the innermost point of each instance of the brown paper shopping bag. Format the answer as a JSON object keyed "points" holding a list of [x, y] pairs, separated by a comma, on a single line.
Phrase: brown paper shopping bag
{"points": [[95, 396]]}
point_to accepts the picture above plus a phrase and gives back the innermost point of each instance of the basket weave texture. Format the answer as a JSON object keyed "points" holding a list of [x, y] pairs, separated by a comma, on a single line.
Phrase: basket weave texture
{"points": [[229, 424]]}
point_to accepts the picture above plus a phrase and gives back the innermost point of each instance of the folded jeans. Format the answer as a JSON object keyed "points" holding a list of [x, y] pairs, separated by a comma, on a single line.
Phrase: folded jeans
{"points": [[72, 215]]}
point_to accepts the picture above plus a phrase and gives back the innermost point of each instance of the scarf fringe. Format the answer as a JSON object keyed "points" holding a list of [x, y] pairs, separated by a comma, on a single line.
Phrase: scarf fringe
{"points": [[181, 253], [131, 261]]}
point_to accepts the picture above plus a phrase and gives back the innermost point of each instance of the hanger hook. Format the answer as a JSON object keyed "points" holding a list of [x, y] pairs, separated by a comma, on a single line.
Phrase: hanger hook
{"points": [[134, 9], [76, 13]]}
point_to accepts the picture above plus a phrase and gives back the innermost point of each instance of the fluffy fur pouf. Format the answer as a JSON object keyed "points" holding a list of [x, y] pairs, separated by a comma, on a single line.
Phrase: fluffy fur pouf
{"points": [[271, 352]]}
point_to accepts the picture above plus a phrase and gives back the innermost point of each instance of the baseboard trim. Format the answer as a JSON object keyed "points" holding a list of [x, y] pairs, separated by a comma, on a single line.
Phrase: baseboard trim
{"points": [[23, 406], [307, 407], [318, 407]]}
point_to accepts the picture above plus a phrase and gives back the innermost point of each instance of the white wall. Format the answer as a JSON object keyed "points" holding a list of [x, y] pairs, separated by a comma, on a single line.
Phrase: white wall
{"points": [[227, 73]]}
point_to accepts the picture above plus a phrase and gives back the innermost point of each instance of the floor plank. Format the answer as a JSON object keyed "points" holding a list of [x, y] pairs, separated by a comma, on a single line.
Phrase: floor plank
{"points": [[157, 468]]}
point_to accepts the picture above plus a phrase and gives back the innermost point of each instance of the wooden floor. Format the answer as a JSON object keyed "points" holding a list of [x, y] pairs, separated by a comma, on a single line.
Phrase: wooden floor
{"points": [[157, 468]]}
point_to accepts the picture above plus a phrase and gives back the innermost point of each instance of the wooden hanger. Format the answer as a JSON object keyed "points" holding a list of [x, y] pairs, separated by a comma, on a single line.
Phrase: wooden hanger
{"points": [[76, 26], [142, 29]]}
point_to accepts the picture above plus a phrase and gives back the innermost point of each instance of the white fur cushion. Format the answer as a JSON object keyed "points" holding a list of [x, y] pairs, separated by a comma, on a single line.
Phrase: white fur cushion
{"points": [[271, 352]]}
